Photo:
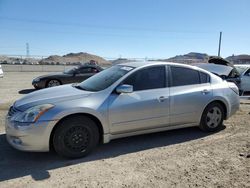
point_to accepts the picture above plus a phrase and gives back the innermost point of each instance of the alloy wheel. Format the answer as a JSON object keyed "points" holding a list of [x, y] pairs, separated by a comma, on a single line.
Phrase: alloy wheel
{"points": [[214, 117]]}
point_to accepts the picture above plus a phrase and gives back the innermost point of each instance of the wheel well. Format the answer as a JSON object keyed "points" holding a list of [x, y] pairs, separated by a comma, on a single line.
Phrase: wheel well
{"points": [[223, 105], [95, 119]]}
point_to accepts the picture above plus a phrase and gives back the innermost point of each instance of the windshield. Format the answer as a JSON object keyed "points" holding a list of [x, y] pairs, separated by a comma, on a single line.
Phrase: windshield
{"points": [[105, 78], [70, 71], [241, 69]]}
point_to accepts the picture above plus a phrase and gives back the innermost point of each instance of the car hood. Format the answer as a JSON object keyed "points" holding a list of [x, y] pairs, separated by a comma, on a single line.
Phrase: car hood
{"points": [[215, 68], [50, 96]]}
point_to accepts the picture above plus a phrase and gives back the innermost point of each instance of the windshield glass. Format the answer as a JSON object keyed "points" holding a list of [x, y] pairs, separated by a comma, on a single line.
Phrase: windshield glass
{"points": [[105, 78], [70, 71], [241, 69]]}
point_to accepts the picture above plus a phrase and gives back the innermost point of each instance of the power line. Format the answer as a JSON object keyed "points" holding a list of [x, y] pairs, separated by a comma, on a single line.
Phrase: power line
{"points": [[100, 26]]}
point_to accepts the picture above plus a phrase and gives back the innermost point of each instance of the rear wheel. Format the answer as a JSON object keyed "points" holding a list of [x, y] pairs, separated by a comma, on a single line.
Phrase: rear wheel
{"points": [[75, 137], [52, 83], [212, 117]]}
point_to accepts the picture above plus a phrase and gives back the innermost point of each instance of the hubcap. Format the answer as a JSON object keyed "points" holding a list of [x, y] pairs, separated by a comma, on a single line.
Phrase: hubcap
{"points": [[214, 117], [53, 83], [77, 139]]}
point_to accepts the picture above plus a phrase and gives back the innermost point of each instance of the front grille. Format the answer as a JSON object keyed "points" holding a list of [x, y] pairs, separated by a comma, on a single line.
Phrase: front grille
{"points": [[12, 111]]}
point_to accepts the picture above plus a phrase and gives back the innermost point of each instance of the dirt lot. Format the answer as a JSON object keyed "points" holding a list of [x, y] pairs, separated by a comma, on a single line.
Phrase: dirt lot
{"points": [[180, 158]]}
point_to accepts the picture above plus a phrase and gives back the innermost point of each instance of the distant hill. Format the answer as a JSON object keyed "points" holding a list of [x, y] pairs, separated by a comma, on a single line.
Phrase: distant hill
{"points": [[81, 57], [74, 58], [189, 58], [239, 59]]}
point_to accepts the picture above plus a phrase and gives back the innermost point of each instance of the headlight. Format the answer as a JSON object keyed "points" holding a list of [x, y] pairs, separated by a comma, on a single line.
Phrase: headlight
{"points": [[36, 80], [32, 114]]}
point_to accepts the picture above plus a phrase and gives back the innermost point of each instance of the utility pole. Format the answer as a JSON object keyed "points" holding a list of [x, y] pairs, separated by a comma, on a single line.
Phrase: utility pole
{"points": [[219, 44], [27, 50]]}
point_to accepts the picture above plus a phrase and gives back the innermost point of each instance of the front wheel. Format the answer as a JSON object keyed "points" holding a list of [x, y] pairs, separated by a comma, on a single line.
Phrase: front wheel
{"points": [[212, 117], [75, 137], [52, 83]]}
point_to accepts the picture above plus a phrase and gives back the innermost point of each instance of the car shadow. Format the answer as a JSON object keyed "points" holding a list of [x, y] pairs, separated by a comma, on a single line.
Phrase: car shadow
{"points": [[26, 91], [16, 164]]}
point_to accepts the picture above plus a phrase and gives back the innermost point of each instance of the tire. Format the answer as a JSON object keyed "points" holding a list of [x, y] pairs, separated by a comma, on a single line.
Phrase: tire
{"points": [[212, 117], [53, 83], [75, 137]]}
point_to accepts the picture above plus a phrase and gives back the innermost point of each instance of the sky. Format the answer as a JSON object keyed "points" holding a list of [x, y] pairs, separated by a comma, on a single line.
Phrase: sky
{"points": [[124, 28]]}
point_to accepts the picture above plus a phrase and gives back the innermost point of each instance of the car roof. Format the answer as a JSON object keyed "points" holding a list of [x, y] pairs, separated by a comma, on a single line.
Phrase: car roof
{"points": [[149, 63]]}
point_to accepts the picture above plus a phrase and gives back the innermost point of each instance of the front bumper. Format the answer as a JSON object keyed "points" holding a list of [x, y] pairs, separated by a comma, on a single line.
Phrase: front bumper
{"points": [[34, 137]]}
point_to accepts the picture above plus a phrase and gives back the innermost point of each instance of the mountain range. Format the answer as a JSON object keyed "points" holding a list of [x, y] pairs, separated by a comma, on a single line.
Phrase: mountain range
{"points": [[82, 57]]}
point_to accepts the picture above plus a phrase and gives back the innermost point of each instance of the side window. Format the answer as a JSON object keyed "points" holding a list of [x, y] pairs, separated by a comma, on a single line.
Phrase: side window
{"points": [[204, 77], [148, 78], [84, 70], [184, 76]]}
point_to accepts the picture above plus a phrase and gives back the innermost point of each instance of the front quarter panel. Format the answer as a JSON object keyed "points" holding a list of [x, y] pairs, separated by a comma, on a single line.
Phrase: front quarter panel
{"points": [[95, 105]]}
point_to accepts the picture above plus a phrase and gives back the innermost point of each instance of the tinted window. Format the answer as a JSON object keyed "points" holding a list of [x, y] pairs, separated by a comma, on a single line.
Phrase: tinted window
{"points": [[184, 76], [204, 77], [148, 78], [85, 70]]}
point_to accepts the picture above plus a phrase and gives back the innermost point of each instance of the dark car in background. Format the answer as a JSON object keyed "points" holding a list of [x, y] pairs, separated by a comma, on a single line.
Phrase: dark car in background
{"points": [[74, 75]]}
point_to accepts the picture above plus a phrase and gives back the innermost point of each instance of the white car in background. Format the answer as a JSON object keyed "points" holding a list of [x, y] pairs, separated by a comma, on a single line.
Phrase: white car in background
{"points": [[244, 71], [1, 72]]}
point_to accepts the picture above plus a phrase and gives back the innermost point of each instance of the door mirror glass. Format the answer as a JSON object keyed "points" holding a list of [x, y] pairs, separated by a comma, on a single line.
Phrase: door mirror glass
{"points": [[124, 89]]}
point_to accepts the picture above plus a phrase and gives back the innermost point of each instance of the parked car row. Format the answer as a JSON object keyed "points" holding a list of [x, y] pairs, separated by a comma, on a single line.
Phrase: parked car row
{"points": [[123, 100]]}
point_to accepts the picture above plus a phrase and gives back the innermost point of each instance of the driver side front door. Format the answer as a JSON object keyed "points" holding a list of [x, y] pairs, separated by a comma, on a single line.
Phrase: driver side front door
{"points": [[147, 107]]}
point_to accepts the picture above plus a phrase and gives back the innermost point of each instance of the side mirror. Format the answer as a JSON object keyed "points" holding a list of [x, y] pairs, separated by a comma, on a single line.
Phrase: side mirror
{"points": [[124, 89]]}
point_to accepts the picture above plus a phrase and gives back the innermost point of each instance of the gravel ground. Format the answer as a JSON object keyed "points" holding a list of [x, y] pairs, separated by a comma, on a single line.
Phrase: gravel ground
{"points": [[179, 158]]}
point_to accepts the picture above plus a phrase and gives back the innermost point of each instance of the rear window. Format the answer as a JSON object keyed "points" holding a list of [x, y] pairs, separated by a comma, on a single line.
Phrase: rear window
{"points": [[204, 78], [184, 76]]}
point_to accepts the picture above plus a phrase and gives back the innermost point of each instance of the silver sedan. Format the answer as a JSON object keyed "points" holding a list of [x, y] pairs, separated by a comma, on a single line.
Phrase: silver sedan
{"points": [[124, 100]]}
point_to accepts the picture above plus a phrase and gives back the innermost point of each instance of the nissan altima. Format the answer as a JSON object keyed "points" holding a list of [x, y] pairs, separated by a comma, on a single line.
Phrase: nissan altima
{"points": [[124, 100]]}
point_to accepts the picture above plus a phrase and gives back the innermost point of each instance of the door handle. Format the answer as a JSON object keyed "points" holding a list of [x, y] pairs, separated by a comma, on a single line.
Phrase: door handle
{"points": [[205, 91], [162, 98]]}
